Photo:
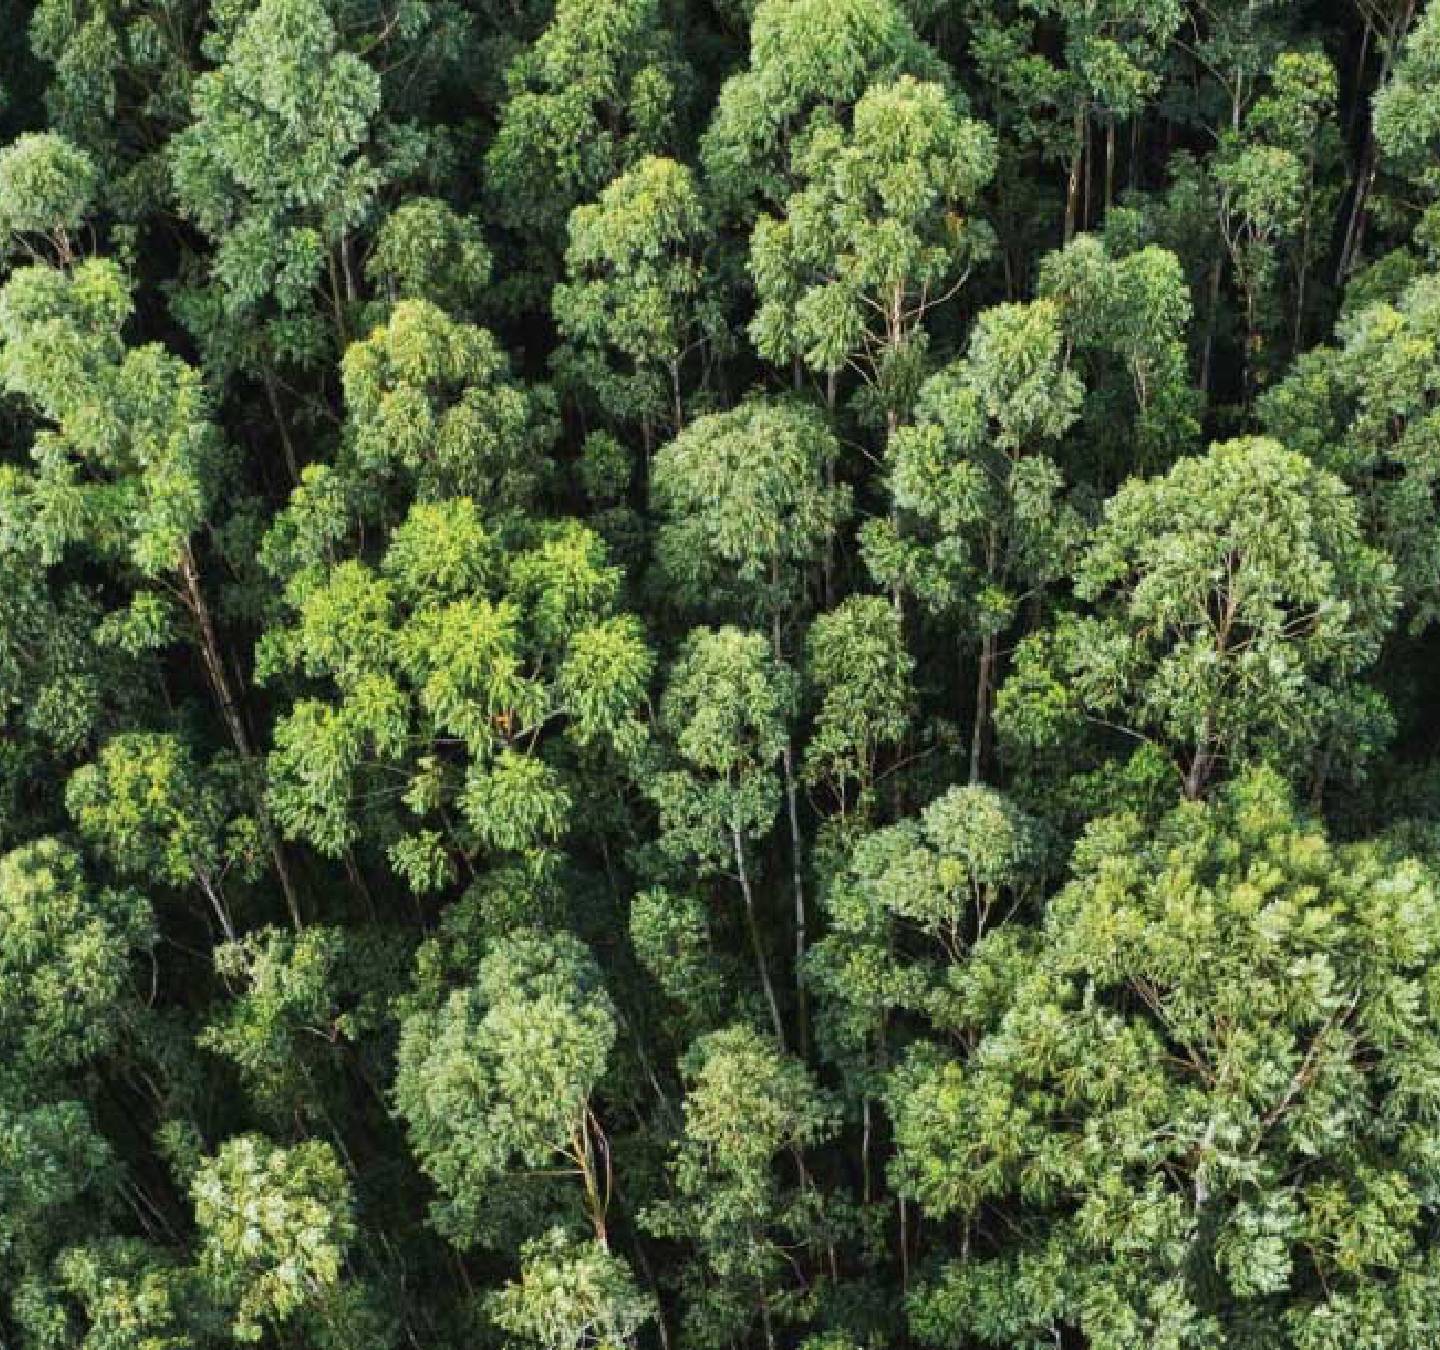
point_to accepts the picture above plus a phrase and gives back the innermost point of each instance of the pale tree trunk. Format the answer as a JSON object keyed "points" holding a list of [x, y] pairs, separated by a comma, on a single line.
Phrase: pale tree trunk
{"points": [[1072, 186], [752, 924], [797, 855], [983, 682], [214, 661]]}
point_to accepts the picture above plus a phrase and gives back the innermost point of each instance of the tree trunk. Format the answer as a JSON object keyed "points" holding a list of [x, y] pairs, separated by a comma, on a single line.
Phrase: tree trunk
{"points": [[983, 682], [752, 924], [291, 462], [797, 863], [214, 661], [1072, 187], [1212, 322]]}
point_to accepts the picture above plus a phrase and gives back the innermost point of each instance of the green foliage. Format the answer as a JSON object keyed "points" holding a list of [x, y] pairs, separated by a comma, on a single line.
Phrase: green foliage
{"points": [[805, 55], [1364, 411], [747, 1106], [148, 808], [571, 1296], [274, 1226], [879, 231], [1236, 598], [132, 463], [635, 305], [725, 712], [47, 187], [1203, 1096], [431, 403], [499, 1080], [516, 660], [858, 665], [425, 251], [750, 503], [577, 576], [909, 905], [592, 97], [66, 953], [985, 523]]}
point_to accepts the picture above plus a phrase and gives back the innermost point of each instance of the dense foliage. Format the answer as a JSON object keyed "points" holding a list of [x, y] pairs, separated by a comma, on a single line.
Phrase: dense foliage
{"points": [[719, 674]]}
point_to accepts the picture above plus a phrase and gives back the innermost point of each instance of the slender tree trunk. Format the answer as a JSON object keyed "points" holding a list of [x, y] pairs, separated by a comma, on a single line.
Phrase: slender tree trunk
{"points": [[1072, 186], [797, 858], [902, 1207], [679, 408], [216, 898], [752, 923], [1109, 162], [983, 681], [832, 392], [214, 661], [1365, 179], [1212, 323], [866, 1184], [271, 394]]}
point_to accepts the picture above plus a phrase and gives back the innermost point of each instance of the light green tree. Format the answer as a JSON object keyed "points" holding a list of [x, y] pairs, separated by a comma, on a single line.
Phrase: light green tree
{"points": [[725, 716], [750, 1111], [1235, 602], [1202, 1096], [451, 686], [571, 1296], [498, 1083], [861, 675], [881, 230], [592, 97], [984, 520], [47, 189], [1364, 409], [636, 306], [274, 1226], [805, 56]]}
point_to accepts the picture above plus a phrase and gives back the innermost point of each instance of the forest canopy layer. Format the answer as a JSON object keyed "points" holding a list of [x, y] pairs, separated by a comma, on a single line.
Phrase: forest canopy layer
{"points": [[719, 674]]}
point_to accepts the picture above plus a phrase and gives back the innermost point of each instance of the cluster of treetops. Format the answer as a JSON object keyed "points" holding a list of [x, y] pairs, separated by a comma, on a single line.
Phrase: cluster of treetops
{"points": [[719, 674]]}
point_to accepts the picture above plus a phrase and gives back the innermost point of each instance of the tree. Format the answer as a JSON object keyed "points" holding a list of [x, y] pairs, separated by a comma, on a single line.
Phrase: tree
{"points": [[747, 1107], [862, 674], [1125, 316], [591, 98], [451, 685], [904, 910], [572, 1296], [300, 1002], [424, 250], [1364, 410], [1200, 1096], [634, 306], [725, 714], [500, 1078], [1267, 183], [985, 524], [47, 187], [1235, 602], [131, 469], [432, 408], [1407, 121], [805, 56], [67, 950], [274, 1226], [116, 1294], [671, 936], [1112, 55], [280, 167], [879, 231], [153, 813]]}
